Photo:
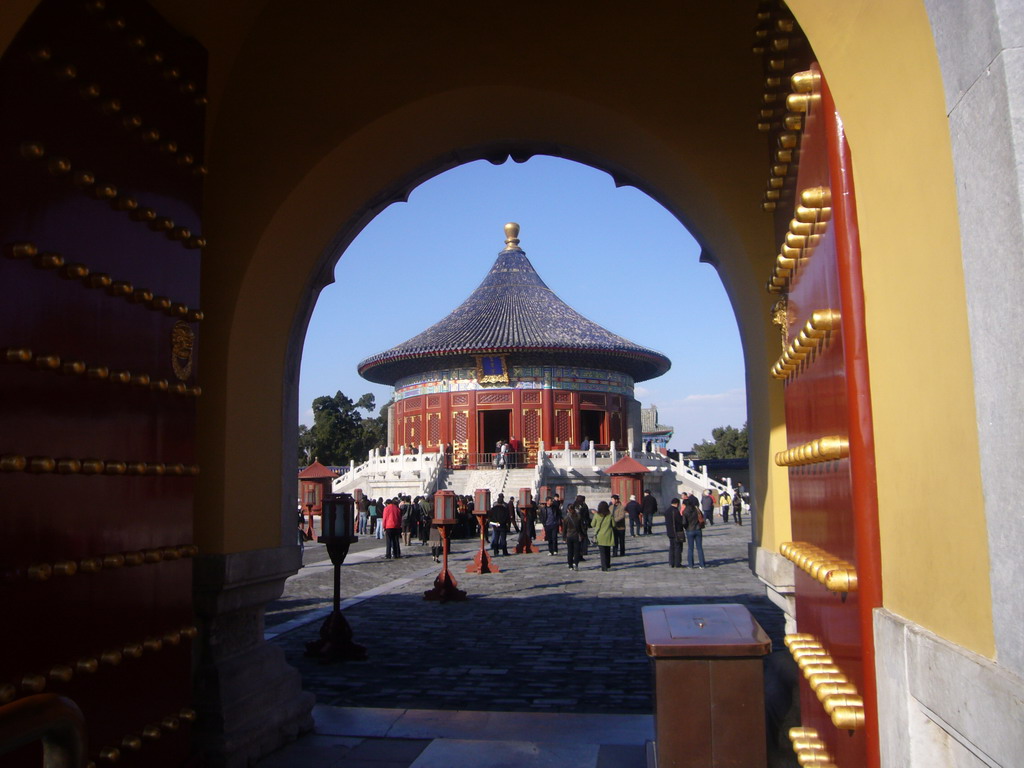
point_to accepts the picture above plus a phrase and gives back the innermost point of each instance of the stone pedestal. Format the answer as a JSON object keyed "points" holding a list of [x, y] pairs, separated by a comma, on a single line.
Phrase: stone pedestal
{"points": [[249, 700]]}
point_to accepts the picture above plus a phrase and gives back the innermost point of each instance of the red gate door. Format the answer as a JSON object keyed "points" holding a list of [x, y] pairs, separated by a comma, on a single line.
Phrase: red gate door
{"points": [[100, 193], [830, 458]]}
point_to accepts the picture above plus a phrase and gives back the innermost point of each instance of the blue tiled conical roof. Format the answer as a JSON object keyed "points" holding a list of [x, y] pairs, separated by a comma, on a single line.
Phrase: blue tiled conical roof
{"points": [[513, 312]]}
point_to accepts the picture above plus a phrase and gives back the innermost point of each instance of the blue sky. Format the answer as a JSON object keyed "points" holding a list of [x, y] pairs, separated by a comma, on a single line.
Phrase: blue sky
{"points": [[614, 255]]}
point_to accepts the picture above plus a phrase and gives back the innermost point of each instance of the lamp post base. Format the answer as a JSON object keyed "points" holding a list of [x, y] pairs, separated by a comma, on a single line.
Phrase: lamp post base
{"points": [[525, 545], [445, 589], [482, 563], [335, 643]]}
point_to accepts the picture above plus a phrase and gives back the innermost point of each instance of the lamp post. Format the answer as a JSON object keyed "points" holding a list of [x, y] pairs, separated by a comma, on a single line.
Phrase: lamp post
{"points": [[337, 524], [310, 502], [525, 544], [482, 563], [445, 587]]}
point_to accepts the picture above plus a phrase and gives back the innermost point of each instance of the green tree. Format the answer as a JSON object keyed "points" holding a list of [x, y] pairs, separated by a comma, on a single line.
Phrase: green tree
{"points": [[305, 445], [337, 435], [729, 443]]}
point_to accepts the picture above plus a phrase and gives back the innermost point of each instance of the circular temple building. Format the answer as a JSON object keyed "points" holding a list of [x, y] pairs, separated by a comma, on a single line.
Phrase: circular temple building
{"points": [[513, 360]]}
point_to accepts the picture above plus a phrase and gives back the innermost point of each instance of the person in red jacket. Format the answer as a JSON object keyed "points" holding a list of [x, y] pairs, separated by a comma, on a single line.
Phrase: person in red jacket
{"points": [[392, 520]]}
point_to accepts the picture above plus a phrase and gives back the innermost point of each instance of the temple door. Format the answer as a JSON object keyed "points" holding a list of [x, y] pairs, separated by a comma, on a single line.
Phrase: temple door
{"points": [[100, 197], [830, 456]]}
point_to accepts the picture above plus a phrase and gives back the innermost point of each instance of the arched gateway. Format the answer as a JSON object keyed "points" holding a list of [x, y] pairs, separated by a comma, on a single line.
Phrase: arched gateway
{"points": [[179, 179], [513, 362]]}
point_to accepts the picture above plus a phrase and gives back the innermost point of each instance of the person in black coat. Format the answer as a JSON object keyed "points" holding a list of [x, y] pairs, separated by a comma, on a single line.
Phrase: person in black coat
{"points": [[498, 519], [633, 509], [648, 509], [674, 531]]}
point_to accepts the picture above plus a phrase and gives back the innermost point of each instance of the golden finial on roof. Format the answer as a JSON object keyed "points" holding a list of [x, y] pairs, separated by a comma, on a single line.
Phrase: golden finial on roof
{"points": [[511, 235]]}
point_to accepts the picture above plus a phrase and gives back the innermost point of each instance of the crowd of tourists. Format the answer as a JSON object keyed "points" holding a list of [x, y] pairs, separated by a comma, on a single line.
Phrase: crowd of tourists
{"points": [[402, 520]]}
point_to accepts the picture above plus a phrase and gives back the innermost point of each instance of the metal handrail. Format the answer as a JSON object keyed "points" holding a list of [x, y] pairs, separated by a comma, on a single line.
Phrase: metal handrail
{"points": [[46, 717]]}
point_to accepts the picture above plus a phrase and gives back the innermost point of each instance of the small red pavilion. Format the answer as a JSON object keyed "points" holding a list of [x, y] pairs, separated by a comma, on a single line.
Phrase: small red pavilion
{"points": [[513, 361], [314, 481]]}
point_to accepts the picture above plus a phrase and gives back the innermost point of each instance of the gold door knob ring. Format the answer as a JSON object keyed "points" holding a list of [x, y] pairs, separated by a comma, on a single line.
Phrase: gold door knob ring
{"points": [[83, 179], [32, 150], [47, 362], [32, 684], [65, 568], [132, 650], [120, 288], [133, 559], [41, 465], [68, 466], [848, 718], [99, 280], [74, 271], [48, 261], [90, 565], [73, 368], [40, 572], [172, 638], [58, 166], [834, 689], [806, 82], [841, 580], [814, 679], [20, 250], [12, 463], [61, 674]]}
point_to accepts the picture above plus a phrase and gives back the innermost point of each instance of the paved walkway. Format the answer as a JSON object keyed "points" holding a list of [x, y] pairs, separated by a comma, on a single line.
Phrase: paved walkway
{"points": [[534, 638]]}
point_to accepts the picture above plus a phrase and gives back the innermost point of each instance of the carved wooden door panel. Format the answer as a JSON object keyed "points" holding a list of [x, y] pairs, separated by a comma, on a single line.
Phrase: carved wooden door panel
{"points": [[830, 454], [100, 196]]}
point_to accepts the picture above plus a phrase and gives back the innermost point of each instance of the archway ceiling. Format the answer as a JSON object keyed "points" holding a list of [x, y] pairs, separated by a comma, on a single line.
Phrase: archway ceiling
{"points": [[291, 82]]}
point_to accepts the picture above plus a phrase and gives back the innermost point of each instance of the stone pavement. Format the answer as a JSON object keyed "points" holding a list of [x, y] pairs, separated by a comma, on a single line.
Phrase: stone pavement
{"points": [[535, 637]]}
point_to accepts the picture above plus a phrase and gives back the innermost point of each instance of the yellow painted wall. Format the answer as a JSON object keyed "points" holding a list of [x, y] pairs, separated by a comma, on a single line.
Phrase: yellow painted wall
{"points": [[881, 64]]}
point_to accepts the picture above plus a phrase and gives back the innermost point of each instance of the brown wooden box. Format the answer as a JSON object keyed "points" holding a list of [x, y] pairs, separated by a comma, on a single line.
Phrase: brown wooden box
{"points": [[708, 685]]}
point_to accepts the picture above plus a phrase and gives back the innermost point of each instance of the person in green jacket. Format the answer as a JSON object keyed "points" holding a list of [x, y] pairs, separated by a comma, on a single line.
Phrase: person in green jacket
{"points": [[604, 533]]}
